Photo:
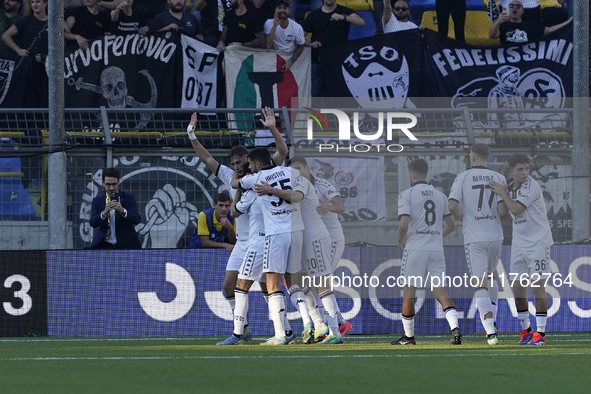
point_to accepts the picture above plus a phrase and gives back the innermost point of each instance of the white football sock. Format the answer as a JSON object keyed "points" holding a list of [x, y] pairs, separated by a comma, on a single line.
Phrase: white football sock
{"points": [[240, 311], [319, 303], [298, 299], [330, 304], [541, 318], [523, 317], [493, 293], [408, 322], [231, 301], [286, 324], [452, 317], [312, 307], [277, 309], [340, 318], [485, 306]]}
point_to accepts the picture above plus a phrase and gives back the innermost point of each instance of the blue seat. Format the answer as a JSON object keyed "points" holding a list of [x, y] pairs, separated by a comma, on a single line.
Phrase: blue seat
{"points": [[369, 30], [15, 203]]}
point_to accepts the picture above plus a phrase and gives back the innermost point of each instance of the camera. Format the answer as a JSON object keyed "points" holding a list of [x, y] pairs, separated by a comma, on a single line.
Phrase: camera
{"points": [[114, 197]]}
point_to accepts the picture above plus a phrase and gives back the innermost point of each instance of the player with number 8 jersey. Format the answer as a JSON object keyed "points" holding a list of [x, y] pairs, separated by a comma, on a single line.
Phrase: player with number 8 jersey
{"points": [[423, 211]]}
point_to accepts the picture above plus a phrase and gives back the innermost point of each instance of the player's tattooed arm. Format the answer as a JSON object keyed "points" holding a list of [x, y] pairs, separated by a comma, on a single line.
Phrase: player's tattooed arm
{"points": [[454, 210], [287, 195], [450, 225]]}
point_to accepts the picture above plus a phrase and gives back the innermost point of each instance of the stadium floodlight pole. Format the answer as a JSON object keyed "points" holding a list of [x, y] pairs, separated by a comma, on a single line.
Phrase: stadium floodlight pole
{"points": [[56, 173], [581, 164]]}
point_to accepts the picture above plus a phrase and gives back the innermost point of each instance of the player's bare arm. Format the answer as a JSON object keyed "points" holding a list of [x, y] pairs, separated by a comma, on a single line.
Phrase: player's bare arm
{"points": [[513, 206], [450, 225], [203, 154], [268, 120], [336, 206], [402, 231], [233, 211], [454, 210], [287, 195]]}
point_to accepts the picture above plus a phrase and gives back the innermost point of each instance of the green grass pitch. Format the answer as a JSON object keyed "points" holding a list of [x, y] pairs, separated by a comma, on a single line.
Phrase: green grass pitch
{"points": [[364, 364]]}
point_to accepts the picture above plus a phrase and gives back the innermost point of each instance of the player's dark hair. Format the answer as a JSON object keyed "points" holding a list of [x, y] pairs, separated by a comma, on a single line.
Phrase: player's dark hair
{"points": [[297, 159], [237, 151], [518, 158], [260, 154], [419, 166], [111, 172], [482, 151], [222, 197]]}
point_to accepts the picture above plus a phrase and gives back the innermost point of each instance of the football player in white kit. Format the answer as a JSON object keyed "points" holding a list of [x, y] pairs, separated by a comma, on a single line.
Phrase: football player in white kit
{"points": [[316, 256], [423, 211], [482, 230], [331, 204], [530, 251], [238, 158], [283, 237]]}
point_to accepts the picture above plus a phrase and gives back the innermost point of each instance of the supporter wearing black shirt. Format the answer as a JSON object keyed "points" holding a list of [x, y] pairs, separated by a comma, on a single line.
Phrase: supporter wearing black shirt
{"points": [[125, 20], [11, 13], [329, 25], [178, 20], [212, 18], [242, 26], [265, 9], [33, 30], [86, 23], [512, 28]]}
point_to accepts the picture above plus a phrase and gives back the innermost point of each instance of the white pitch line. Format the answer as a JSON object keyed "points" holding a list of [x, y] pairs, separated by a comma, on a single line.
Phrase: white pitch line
{"points": [[286, 356]]}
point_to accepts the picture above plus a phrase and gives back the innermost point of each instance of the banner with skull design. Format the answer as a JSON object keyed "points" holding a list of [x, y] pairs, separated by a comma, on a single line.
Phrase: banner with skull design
{"points": [[125, 71], [382, 71], [536, 74]]}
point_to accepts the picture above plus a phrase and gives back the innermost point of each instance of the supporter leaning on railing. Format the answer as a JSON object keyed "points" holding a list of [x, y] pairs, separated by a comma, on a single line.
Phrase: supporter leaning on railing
{"points": [[8, 16], [33, 30], [86, 23]]}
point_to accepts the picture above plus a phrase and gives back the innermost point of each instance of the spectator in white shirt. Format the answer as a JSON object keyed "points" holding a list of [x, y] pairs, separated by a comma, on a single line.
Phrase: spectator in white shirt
{"points": [[284, 34], [396, 19]]}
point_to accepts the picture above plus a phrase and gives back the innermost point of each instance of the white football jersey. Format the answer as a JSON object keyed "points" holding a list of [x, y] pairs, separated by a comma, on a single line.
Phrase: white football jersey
{"points": [[482, 221], [326, 192], [225, 174], [279, 215], [315, 228], [426, 207], [531, 229], [248, 205]]}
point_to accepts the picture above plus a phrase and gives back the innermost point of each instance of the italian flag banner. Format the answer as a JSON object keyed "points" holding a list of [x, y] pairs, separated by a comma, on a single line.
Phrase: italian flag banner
{"points": [[254, 79]]}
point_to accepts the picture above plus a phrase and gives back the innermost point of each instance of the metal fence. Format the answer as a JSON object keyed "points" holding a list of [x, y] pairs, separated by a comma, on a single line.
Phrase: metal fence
{"points": [[172, 185]]}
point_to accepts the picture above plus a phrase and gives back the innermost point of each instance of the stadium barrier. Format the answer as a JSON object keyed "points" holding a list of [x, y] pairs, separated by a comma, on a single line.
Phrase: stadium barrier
{"points": [[170, 293]]}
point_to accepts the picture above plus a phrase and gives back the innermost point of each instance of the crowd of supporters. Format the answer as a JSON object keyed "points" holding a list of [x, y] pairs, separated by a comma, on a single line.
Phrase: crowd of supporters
{"points": [[251, 23]]}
